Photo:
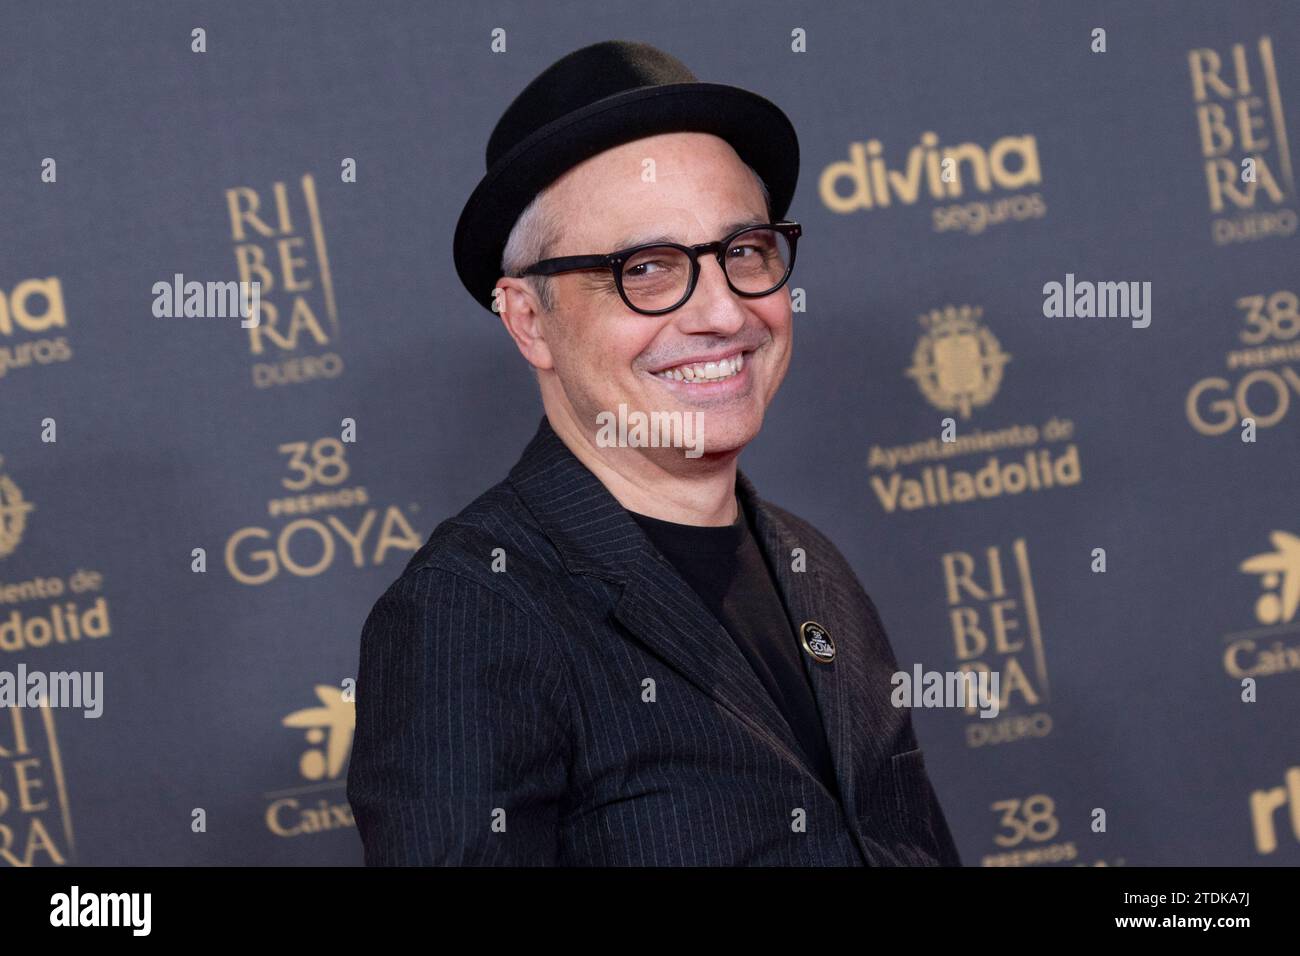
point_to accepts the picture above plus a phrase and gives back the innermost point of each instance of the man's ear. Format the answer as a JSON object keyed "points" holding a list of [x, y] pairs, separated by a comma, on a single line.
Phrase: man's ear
{"points": [[522, 316]]}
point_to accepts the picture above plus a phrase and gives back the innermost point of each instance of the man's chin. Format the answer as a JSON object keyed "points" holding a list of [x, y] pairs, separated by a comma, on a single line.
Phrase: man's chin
{"points": [[676, 437], [720, 437]]}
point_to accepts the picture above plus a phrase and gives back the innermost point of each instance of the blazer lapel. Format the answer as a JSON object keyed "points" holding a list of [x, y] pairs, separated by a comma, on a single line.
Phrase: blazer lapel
{"points": [[807, 599], [595, 536]]}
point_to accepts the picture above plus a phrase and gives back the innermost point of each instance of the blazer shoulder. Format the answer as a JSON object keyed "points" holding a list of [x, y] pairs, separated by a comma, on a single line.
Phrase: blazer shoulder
{"points": [[494, 533]]}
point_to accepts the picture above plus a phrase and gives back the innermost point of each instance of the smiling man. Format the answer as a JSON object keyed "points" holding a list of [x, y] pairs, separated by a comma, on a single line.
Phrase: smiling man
{"points": [[620, 655], [718, 359]]}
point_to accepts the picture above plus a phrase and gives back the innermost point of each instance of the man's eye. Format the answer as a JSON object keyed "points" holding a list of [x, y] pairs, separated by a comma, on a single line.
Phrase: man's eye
{"points": [[644, 268]]}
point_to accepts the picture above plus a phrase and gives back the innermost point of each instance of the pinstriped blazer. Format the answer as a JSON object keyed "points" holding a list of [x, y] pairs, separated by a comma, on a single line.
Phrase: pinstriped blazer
{"points": [[582, 707]]}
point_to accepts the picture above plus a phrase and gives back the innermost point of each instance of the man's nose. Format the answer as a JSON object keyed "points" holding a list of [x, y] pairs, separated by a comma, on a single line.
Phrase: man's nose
{"points": [[712, 307]]}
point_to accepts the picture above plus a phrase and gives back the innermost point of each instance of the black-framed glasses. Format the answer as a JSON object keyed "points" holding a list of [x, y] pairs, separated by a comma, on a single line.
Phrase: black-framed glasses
{"points": [[658, 277]]}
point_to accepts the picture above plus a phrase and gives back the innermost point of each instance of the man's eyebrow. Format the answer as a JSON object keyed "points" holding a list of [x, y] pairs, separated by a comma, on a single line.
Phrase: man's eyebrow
{"points": [[641, 239]]}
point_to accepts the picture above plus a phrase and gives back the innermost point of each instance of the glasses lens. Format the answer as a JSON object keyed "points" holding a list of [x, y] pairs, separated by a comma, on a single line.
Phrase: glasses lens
{"points": [[655, 278], [758, 260]]}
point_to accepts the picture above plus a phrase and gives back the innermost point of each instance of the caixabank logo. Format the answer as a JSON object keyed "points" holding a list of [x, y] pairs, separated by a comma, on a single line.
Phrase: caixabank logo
{"points": [[279, 243], [1241, 129], [318, 801], [967, 187], [1272, 646], [958, 367]]}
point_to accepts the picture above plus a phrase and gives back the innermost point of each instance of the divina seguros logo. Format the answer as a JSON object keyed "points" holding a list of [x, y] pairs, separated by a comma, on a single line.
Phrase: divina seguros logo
{"points": [[35, 307], [938, 174]]}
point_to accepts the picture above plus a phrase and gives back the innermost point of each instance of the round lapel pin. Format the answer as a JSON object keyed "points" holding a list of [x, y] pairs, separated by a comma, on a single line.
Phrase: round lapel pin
{"points": [[817, 642]]}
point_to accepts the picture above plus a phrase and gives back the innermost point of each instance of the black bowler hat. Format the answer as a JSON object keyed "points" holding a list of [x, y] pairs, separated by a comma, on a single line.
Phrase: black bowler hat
{"points": [[589, 101]]}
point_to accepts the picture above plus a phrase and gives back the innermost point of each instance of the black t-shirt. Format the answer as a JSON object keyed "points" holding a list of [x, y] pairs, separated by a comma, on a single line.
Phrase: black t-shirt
{"points": [[727, 570]]}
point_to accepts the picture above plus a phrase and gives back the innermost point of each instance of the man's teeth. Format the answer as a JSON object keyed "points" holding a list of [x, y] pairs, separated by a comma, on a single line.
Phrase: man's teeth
{"points": [[704, 371]]}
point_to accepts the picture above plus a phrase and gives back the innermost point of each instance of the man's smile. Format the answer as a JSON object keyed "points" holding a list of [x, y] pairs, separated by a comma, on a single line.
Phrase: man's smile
{"points": [[711, 370], [724, 375]]}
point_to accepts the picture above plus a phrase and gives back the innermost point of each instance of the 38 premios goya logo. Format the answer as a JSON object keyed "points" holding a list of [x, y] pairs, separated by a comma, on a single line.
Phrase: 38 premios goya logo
{"points": [[319, 523], [1259, 382]]}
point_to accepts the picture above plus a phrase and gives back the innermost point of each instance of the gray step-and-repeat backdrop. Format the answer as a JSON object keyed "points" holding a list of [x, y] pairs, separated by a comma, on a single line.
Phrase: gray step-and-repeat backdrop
{"points": [[1115, 530]]}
